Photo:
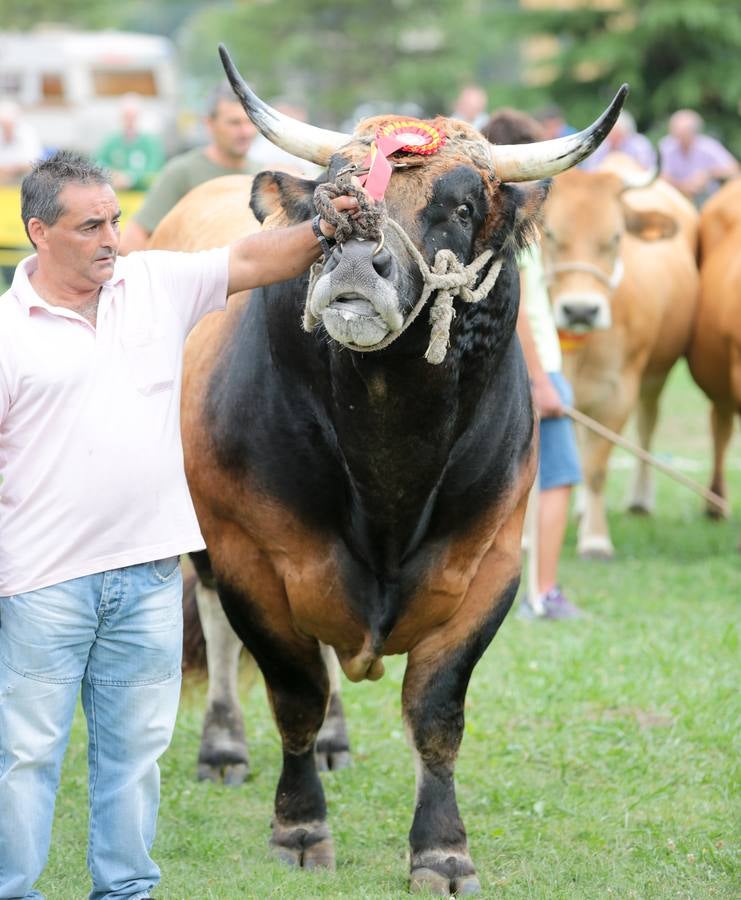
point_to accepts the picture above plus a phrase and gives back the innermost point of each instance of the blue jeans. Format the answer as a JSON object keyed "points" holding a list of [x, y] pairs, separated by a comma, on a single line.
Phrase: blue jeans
{"points": [[118, 634]]}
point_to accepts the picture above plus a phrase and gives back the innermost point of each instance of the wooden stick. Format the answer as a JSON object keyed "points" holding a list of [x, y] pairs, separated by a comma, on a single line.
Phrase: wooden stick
{"points": [[647, 457]]}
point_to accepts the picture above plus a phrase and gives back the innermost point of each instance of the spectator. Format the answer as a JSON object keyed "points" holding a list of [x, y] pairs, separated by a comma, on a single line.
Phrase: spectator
{"points": [[132, 156], [227, 152], [95, 510], [693, 162], [559, 466], [19, 145], [623, 138], [470, 106]]}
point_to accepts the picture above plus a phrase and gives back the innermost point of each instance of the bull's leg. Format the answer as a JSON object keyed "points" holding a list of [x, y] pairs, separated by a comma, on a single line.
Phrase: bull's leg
{"points": [[433, 696], [298, 689], [594, 540], [332, 744], [223, 750], [721, 425], [642, 495]]}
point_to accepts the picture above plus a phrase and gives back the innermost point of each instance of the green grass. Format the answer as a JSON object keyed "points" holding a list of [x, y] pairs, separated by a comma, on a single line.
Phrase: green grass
{"points": [[600, 757]]}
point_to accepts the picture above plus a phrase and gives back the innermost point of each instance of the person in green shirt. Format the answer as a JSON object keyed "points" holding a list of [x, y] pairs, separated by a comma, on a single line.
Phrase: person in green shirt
{"points": [[231, 134], [132, 156]]}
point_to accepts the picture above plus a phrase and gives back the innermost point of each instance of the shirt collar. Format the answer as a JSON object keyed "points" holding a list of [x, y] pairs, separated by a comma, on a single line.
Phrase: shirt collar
{"points": [[27, 297]]}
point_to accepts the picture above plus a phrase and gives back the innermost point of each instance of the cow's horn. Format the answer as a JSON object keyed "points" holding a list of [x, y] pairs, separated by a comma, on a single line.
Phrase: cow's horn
{"points": [[305, 141], [528, 162], [636, 180]]}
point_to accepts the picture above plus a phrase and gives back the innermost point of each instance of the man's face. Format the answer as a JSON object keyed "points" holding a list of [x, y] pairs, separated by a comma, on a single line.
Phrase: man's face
{"points": [[231, 129], [81, 246]]}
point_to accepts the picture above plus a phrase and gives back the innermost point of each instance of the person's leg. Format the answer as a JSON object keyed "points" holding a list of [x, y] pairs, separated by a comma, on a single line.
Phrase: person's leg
{"points": [[45, 638], [130, 696], [559, 470], [553, 515]]}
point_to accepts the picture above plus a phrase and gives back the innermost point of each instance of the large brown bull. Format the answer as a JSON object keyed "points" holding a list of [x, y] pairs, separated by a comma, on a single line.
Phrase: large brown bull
{"points": [[350, 491], [619, 254], [715, 349]]}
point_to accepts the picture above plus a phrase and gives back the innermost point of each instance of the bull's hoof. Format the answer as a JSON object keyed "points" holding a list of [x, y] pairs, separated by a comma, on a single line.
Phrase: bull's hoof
{"points": [[332, 760], [598, 548], [712, 512], [638, 508], [231, 774], [444, 876], [308, 846]]}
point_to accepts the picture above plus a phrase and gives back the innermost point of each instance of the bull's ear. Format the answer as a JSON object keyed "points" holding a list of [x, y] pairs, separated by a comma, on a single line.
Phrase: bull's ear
{"points": [[649, 225], [280, 193], [529, 199]]}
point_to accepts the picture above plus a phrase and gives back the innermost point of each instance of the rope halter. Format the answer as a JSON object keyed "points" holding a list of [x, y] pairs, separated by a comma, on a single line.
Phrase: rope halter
{"points": [[610, 281], [447, 275]]}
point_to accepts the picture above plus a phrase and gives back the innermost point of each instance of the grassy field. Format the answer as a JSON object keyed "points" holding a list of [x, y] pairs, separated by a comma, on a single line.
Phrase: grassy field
{"points": [[600, 757]]}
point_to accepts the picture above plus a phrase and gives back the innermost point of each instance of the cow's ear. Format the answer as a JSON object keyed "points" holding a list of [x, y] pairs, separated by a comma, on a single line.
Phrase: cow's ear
{"points": [[530, 199], [280, 193], [649, 225]]}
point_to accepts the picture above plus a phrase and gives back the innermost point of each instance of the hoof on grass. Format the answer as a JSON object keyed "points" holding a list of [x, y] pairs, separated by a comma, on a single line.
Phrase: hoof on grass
{"points": [[307, 846]]}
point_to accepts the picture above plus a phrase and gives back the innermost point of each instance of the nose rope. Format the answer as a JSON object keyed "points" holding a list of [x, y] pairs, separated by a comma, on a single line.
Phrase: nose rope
{"points": [[447, 275]]}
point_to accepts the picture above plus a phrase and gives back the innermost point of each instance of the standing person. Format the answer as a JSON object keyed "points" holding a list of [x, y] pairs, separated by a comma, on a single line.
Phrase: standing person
{"points": [[470, 105], [132, 156], [231, 134], [623, 138], [95, 510], [693, 162], [559, 467], [20, 146]]}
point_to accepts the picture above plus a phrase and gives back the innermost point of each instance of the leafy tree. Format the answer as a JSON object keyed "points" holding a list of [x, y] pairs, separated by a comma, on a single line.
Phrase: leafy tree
{"points": [[673, 53]]}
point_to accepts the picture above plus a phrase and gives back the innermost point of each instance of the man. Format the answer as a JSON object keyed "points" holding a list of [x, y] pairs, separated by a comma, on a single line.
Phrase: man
{"points": [[19, 145], [693, 162], [94, 510], [470, 105], [559, 466], [132, 156], [623, 138], [231, 134]]}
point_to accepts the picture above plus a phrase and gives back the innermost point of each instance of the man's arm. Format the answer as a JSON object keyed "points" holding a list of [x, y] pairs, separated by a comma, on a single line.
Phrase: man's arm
{"points": [[545, 396], [270, 256]]}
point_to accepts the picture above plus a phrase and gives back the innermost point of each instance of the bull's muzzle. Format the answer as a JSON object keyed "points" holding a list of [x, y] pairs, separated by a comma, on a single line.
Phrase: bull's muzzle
{"points": [[582, 311], [355, 297]]}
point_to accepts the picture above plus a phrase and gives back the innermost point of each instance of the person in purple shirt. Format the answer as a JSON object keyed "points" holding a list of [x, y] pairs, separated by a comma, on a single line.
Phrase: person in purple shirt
{"points": [[624, 138], [694, 162]]}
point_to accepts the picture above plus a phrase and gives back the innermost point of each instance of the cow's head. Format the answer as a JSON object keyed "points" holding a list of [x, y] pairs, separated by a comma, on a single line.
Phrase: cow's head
{"points": [[462, 199], [584, 221]]}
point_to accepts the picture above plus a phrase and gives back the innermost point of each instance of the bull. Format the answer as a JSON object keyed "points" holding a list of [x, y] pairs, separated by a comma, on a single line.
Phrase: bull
{"points": [[361, 483], [715, 349], [619, 254]]}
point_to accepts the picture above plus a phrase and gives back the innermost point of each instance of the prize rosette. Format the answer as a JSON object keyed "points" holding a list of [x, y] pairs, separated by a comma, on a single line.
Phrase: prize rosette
{"points": [[412, 136]]}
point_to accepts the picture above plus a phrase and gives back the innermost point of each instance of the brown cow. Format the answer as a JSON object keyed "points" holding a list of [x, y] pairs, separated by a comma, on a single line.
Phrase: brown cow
{"points": [[623, 284], [363, 482], [715, 349]]}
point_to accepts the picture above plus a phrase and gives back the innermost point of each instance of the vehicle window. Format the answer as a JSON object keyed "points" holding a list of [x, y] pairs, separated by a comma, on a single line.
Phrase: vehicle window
{"points": [[52, 88], [10, 84], [115, 82]]}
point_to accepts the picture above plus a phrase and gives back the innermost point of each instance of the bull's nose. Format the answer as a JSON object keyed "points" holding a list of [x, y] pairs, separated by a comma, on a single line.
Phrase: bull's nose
{"points": [[581, 314]]}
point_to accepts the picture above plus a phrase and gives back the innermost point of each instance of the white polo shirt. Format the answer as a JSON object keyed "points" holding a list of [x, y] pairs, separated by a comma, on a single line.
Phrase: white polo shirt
{"points": [[90, 454]]}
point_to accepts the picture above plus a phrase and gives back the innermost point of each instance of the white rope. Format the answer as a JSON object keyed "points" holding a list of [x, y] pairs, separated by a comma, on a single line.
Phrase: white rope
{"points": [[611, 281], [448, 276]]}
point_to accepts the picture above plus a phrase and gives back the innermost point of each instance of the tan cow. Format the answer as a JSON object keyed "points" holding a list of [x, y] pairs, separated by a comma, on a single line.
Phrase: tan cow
{"points": [[715, 349], [623, 282]]}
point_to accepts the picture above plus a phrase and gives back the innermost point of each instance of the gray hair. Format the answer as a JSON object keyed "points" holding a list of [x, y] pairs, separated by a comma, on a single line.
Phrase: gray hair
{"points": [[40, 189]]}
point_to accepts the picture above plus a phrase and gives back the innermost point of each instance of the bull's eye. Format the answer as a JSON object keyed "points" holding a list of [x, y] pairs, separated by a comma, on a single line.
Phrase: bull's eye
{"points": [[464, 212]]}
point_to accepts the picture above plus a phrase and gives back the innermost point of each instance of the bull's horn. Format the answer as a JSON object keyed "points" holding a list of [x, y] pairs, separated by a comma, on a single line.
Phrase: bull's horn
{"points": [[636, 180], [528, 162], [305, 141]]}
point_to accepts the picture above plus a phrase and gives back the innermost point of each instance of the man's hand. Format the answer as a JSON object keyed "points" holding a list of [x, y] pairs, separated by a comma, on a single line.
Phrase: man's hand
{"points": [[343, 203], [546, 398]]}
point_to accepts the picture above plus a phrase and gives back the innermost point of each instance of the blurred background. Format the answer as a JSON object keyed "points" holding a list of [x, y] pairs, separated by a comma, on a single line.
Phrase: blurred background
{"points": [[341, 61]]}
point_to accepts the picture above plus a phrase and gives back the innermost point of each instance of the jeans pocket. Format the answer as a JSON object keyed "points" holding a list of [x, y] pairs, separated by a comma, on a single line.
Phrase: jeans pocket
{"points": [[165, 568]]}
